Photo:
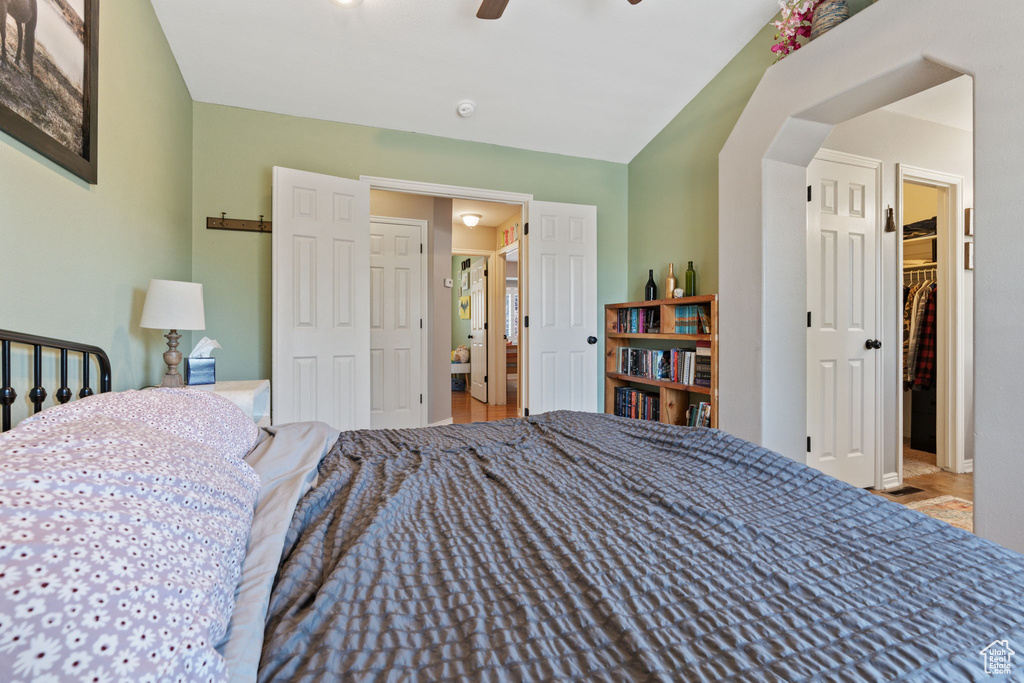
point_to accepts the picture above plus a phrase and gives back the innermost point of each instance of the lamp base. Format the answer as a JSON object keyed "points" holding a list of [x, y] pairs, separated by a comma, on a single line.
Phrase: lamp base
{"points": [[173, 358]]}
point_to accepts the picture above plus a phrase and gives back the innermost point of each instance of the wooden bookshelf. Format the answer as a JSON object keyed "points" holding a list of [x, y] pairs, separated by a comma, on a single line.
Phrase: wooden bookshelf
{"points": [[675, 398]]}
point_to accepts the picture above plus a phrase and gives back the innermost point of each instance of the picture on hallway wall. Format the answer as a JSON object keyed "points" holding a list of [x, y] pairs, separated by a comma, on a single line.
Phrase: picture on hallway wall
{"points": [[465, 282], [48, 67], [464, 307]]}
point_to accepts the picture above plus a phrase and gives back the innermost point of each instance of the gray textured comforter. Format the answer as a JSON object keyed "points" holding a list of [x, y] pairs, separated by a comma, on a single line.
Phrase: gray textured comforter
{"points": [[586, 546]]}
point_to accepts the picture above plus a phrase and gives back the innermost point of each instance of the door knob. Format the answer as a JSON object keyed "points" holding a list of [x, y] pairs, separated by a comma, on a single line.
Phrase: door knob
{"points": [[591, 340], [872, 344], [469, 336]]}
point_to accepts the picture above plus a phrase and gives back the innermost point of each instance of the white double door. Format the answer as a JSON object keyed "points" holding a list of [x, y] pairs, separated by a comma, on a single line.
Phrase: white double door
{"points": [[842, 334], [324, 365]]}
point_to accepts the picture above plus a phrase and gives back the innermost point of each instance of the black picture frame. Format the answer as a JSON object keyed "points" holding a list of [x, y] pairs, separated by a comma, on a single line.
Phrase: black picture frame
{"points": [[81, 162]]}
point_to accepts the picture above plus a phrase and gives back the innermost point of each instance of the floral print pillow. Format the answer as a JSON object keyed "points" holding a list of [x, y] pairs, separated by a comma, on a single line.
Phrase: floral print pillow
{"points": [[123, 525]]}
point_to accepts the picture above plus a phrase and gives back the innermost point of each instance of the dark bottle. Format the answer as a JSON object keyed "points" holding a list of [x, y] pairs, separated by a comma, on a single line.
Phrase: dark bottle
{"points": [[691, 281], [651, 290]]}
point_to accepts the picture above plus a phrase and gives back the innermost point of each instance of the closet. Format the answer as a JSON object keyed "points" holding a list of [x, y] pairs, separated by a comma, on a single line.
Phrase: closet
{"points": [[921, 291]]}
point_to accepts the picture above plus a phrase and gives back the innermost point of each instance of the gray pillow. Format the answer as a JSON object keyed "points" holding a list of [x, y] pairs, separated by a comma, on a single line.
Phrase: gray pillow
{"points": [[286, 463]]}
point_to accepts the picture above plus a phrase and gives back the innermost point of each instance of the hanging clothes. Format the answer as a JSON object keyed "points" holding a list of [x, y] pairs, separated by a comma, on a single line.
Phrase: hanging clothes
{"points": [[925, 368], [913, 314]]}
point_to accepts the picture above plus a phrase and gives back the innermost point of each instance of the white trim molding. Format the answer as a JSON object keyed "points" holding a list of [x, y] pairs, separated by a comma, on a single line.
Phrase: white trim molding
{"points": [[453, 191]]}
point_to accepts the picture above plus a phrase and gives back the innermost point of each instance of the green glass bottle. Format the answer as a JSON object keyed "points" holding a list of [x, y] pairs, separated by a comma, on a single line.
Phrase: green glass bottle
{"points": [[691, 281]]}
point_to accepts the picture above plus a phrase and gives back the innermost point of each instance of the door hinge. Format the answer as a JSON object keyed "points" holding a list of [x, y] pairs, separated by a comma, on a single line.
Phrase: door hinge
{"points": [[485, 273], [808, 193], [485, 379], [421, 323], [421, 398], [526, 412], [526, 228], [485, 326], [808, 444], [526, 321], [421, 247], [808, 318]]}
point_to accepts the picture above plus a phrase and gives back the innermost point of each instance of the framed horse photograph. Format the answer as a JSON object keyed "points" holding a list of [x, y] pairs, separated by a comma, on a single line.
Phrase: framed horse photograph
{"points": [[48, 68]]}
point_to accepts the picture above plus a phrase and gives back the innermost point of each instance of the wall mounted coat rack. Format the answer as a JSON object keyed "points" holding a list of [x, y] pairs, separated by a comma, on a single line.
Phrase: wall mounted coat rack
{"points": [[246, 225]]}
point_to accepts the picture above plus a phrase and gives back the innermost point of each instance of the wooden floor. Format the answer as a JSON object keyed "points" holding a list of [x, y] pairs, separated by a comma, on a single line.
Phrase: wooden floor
{"points": [[935, 485], [465, 408]]}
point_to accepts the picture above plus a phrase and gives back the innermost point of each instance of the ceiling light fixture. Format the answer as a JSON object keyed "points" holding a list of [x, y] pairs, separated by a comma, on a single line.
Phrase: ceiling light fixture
{"points": [[471, 219], [347, 3], [466, 108]]}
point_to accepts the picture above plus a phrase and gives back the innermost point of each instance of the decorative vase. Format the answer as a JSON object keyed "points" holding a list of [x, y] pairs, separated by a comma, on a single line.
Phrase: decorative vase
{"points": [[670, 281], [827, 16]]}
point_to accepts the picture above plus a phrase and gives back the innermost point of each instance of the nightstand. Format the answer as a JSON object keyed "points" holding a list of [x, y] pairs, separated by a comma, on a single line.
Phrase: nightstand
{"points": [[252, 396]]}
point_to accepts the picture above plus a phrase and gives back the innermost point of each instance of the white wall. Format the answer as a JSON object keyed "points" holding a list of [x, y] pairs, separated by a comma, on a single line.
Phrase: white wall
{"points": [[897, 139], [885, 53]]}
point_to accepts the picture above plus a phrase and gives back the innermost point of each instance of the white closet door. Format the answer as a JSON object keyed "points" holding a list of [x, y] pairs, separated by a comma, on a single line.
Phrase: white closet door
{"points": [[396, 326], [321, 332], [842, 416], [478, 326], [561, 258]]}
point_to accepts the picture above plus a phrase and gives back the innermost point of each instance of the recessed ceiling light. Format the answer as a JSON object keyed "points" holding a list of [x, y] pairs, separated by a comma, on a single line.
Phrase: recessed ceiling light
{"points": [[347, 3], [471, 219]]}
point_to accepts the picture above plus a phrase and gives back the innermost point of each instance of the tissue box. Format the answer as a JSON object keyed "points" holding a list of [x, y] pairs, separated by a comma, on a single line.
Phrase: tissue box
{"points": [[200, 371]]}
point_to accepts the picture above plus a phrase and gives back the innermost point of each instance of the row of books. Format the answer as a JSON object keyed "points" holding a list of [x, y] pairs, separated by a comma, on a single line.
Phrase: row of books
{"points": [[639, 405], [692, 320], [638, 321], [699, 415], [668, 365]]}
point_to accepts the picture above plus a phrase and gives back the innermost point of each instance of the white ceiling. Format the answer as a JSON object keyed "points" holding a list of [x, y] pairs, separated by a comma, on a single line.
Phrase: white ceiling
{"points": [[588, 78], [951, 104], [494, 213]]}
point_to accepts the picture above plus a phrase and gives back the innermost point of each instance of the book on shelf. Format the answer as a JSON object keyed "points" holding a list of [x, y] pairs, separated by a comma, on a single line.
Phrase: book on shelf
{"points": [[680, 366], [698, 415], [692, 320], [637, 404], [638, 321]]}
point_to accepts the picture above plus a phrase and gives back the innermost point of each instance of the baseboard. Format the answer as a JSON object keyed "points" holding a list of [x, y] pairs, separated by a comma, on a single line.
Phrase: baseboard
{"points": [[441, 423], [890, 480], [968, 466]]}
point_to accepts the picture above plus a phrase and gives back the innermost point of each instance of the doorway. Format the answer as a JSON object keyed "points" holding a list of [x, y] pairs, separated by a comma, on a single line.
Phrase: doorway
{"points": [[485, 311], [911, 333]]}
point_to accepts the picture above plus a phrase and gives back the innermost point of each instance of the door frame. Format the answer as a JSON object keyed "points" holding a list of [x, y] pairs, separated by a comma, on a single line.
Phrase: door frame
{"points": [[950, 328], [479, 194], [424, 305], [875, 165], [493, 338]]}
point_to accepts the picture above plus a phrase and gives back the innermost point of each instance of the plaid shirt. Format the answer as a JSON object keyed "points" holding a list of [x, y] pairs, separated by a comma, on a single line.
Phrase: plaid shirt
{"points": [[926, 348]]}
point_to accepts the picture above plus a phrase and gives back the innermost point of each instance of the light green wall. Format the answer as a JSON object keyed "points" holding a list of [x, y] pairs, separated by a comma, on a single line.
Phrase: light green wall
{"points": [[235, 150], [673, 181], [77, 258], [461, 329]]}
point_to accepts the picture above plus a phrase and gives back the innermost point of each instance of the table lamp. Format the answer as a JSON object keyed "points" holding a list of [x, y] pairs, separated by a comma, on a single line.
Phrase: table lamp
{"points": [[173, 306]]}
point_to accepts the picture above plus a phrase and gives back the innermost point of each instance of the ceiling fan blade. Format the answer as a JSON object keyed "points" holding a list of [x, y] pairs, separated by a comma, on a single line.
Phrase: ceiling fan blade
{"points": [[493, 9], [634, 2]]}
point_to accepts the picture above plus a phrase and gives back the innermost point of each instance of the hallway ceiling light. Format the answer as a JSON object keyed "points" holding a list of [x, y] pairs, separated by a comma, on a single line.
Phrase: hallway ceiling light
{"points": [[471, 219], [347, 3]]}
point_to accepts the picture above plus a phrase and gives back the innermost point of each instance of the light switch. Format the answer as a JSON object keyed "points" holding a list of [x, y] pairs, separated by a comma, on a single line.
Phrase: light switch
{"points": [[449, 283]]}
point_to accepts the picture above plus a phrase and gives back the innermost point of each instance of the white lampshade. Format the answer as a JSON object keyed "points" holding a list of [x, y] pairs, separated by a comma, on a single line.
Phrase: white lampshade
{"points": [[471, 219], [172, 305]]}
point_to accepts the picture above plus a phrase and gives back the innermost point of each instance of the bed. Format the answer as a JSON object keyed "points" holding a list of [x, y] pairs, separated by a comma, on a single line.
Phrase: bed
{"points": [[158, 535]]}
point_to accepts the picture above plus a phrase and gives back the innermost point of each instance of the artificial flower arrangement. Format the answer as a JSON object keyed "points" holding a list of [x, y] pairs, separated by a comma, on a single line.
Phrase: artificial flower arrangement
{"points": [[795, 22]]}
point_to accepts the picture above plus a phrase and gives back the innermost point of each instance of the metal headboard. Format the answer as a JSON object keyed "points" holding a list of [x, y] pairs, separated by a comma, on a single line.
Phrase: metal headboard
{"points": [[37, 394]]}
